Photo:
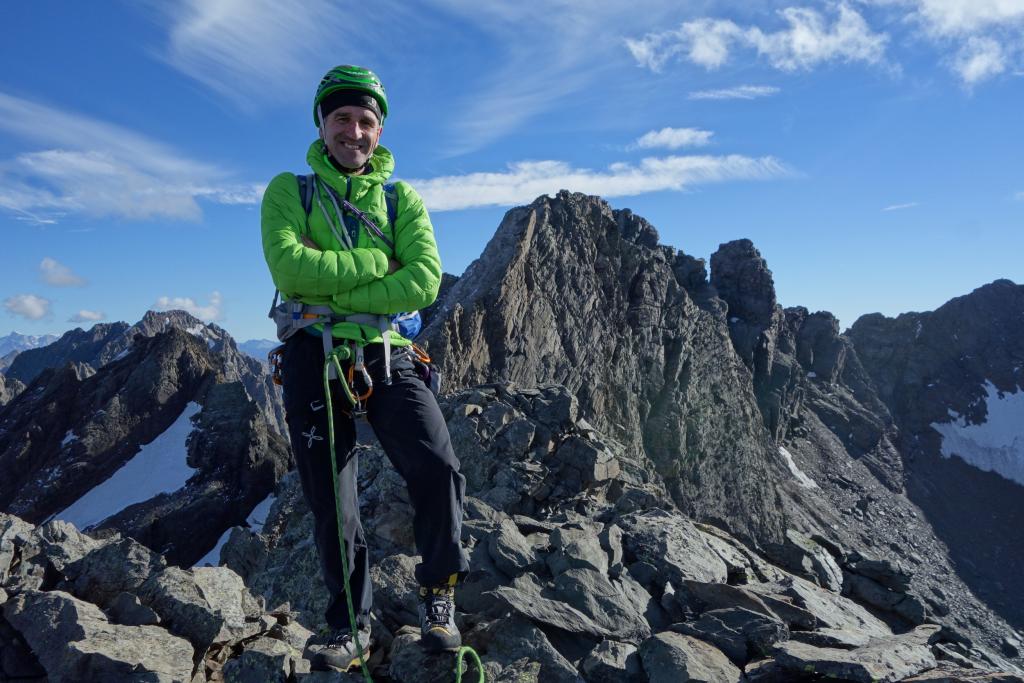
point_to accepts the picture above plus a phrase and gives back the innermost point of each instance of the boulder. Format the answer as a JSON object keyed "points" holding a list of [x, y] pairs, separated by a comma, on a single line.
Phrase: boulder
{"points": [[672, 657], [204, 605], [613, 662], [882, 660], [74, 641], [671, 544], [804, 557], [739, 633]]}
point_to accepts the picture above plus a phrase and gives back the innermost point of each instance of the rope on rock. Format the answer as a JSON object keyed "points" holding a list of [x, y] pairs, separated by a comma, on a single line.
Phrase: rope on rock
{"points": [[338, 354]]}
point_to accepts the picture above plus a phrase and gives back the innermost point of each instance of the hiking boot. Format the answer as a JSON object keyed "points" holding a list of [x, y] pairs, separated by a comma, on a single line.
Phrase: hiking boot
{"points": [[437, 617], [339, 651]]}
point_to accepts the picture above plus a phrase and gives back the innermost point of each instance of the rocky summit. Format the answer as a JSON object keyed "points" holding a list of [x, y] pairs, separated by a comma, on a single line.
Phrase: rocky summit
{"points": [[670, 477]]}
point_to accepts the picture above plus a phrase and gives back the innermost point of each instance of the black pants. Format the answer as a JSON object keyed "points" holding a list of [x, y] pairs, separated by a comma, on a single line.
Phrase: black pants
{"points": [[409, 425]]}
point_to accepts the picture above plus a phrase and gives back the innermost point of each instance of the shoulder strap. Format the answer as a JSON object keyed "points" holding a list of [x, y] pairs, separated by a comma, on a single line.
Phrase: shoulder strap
{"points": [[391, 199], [306, 191]]}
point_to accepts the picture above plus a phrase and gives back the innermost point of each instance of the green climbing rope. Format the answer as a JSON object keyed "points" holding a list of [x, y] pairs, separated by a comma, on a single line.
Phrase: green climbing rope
{"points": [[334, 358]]}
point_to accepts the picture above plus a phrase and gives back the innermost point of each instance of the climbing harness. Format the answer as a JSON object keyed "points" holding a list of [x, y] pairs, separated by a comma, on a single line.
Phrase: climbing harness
{"points": [[333, 362]]}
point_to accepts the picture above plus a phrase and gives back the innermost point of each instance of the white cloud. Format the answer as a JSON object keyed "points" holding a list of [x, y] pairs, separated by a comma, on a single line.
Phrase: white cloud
{"points": [[263, 49], [673, 138], [898, 207], [981, 38], [28, 306], [965, 17], [809, 40], [85, 316], [740, 92], [525, 181], [57, 274], [100, 169], [979, 59], [209, 313], [1019, 196]]}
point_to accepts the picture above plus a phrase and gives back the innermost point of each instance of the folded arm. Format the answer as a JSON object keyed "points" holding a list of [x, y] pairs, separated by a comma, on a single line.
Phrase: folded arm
{"points": [[414, 285], [300, 270]]}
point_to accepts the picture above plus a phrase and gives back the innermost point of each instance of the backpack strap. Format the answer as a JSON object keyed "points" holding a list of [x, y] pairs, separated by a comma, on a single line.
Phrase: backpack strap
{"points": [[391, 199], [306, 186]]}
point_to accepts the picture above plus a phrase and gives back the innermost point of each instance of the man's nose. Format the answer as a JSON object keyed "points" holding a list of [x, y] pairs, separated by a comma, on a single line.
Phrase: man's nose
{"points": [[350, 129]]}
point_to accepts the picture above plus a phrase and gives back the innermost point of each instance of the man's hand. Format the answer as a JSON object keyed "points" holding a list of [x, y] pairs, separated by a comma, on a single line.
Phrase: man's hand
{"points": [[310, 243], [393, 265]]}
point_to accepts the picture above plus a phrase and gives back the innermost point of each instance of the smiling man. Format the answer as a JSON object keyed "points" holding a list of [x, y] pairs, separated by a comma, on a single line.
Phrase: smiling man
{"points": [[349, 252]]}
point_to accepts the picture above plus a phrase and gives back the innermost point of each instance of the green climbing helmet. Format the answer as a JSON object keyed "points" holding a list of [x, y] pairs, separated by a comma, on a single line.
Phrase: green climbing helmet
{"points": [[348, 77]]}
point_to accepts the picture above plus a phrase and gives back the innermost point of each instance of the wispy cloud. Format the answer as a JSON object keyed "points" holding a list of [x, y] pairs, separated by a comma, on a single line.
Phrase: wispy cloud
{"points": [[980, 39], [57, 274], [740, 92], [979, 59], [85, 316], [101, 169], [211, 312], [28, 306], [673, 138], [568, 51], [809, 40], [525, 181], [898, 207], [262, 49], [1019, 196]]}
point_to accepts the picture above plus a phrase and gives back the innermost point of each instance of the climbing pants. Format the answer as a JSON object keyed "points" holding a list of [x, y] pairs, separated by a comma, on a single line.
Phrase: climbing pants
{"points": [[408, 423]]}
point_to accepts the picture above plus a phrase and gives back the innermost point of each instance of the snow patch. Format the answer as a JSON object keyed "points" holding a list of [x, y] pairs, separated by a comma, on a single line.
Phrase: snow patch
{"points": [[68, 438], [797, 473], [256, 519], [996, 445], [159, 467], [812, 374]]}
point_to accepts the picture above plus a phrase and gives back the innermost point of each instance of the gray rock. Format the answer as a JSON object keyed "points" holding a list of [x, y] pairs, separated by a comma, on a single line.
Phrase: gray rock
{"points": [[74, 641], [952, 674], [412, 664], [578, 547], [516, 651], [828, 609], [886, 571], [11, 528], [204, 605], [114, 568], [524, 598], [883, 660], [604, 601], [672, 657], [613, 662], [908, 606], [801, 555], [127, 610], [830, 637], [673, 545], [264, 660], [739, 633], [510, 550]]}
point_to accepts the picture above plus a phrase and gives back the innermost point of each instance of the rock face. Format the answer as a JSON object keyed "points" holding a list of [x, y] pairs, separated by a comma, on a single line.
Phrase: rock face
{"points": [[571, 292], [74, 430], [575, 579], [106, 342], [9, 388], [952, 380]]}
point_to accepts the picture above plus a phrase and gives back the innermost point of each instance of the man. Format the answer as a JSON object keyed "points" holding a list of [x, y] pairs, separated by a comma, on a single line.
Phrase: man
{"points": [[346, 265]]}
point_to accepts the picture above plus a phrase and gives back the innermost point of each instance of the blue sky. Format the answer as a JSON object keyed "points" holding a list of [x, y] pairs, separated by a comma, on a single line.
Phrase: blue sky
{"points": [[871, 149]]}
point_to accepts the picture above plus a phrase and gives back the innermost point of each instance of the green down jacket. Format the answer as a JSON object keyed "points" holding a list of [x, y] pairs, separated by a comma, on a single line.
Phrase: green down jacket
{"points": [[351, 280]]}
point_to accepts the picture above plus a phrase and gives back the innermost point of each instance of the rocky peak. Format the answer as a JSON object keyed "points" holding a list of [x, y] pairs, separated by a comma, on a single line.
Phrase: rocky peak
{"points": [[742, 279], [570, 292]]}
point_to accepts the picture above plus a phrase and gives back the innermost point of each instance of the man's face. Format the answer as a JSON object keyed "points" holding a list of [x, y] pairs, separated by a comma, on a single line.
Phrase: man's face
{"points": [[351, 134]]}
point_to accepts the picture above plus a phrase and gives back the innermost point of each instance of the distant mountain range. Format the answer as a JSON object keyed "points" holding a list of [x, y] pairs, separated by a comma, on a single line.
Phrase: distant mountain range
{"points": [[15, 343]]}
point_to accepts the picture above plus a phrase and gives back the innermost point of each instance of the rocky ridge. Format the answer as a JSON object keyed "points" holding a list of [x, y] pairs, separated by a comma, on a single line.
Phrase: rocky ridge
{"points": [[74, 427], [582, 571]]}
